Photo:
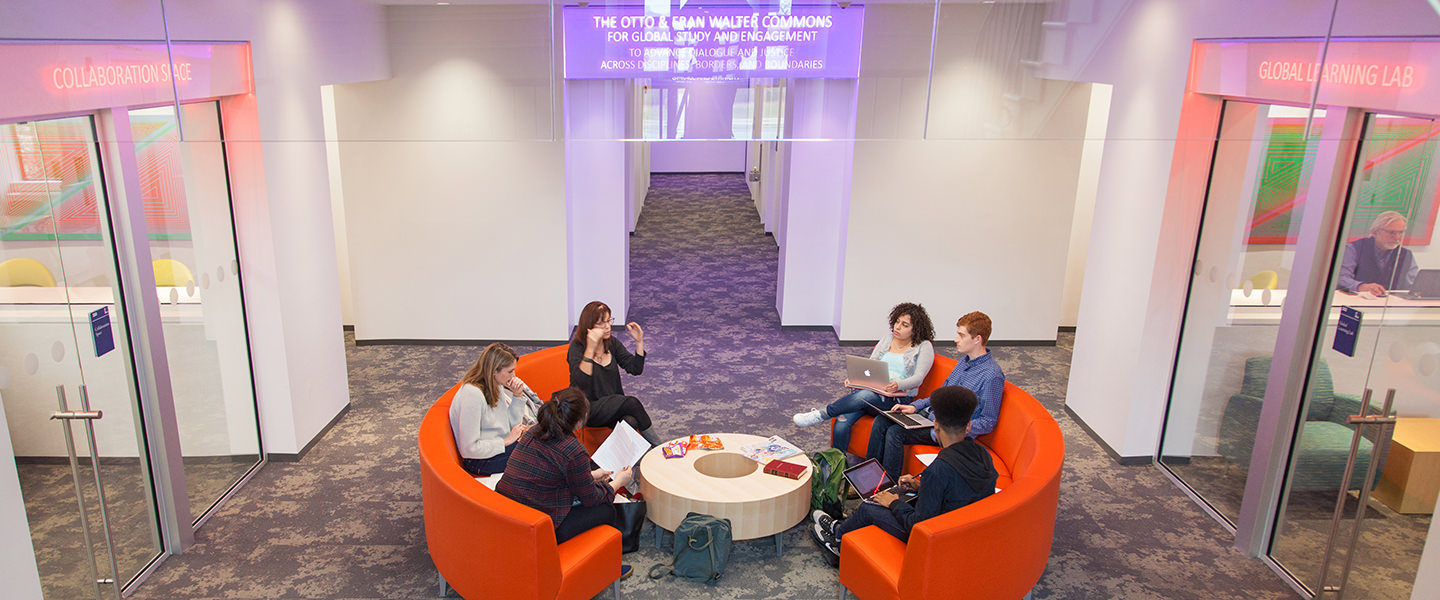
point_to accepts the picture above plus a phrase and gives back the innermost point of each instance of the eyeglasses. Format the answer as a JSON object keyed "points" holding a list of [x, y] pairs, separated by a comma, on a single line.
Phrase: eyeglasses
{"points": [[1393, 232], [610, 322]]}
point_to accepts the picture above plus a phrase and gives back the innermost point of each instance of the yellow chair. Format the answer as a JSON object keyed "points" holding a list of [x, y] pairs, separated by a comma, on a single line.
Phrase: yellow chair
{"points": [[172, 273], [18, 272], [1264, 280]]}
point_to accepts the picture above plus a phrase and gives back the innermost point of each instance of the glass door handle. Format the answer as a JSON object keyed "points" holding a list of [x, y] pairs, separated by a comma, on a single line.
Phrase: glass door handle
{"points": [[88, 417], [1386, 422]]}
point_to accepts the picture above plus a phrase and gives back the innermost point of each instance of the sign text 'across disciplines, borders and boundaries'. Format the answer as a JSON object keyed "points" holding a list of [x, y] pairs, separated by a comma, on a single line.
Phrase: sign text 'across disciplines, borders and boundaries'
{"points": [[715, 42]]}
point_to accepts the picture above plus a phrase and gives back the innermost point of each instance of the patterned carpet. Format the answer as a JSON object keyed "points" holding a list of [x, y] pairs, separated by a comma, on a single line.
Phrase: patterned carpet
{"points": [[345, 522]]}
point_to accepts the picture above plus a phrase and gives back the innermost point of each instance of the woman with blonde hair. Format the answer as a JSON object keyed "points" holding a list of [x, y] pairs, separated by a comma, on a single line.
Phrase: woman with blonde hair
{"points": [[490, 411]]}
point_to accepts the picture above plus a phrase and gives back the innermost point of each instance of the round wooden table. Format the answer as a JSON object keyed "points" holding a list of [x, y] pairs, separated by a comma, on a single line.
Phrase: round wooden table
{"points": [[723, 483]]}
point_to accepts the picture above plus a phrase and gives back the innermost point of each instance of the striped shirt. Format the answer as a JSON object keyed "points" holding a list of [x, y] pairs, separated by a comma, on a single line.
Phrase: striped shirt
{"points": [[550, 475], [984, 377]]}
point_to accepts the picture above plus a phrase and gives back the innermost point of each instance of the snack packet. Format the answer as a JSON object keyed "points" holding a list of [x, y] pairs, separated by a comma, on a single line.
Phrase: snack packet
{"points": [[710, 442], [675, 449]]}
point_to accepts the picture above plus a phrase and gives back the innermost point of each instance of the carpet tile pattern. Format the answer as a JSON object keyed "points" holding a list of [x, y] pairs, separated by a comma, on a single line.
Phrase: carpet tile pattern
{"points": [[345, 521]]}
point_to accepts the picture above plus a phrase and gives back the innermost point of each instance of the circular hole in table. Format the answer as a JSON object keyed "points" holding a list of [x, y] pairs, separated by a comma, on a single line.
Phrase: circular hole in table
{"points": [[725, 465]]}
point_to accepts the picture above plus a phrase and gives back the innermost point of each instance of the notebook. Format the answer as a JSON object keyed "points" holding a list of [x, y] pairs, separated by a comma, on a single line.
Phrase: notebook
{"points": [[1426, 287], [867, 373]]}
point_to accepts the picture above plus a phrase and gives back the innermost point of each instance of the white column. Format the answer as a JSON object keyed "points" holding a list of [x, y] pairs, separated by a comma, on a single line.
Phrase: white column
{"points": [[820, 117], [595, 194]]}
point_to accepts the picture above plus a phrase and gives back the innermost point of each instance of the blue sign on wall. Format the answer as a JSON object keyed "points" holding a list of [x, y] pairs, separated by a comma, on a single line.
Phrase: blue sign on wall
{"points": [[1347, 330], [100, 330]]}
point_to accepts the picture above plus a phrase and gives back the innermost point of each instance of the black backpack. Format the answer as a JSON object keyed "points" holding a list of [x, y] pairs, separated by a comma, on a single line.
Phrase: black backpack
{"points": [[702, 546]]}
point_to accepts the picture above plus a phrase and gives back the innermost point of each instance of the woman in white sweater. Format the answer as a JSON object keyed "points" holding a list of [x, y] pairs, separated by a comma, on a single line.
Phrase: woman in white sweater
{"points": [[490, 411]]}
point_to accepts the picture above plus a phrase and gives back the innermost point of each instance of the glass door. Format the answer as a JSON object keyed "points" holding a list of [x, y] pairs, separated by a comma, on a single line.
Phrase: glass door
{"points": [[1238, 285], [1380, 336], [197, 277], [94, 523]]}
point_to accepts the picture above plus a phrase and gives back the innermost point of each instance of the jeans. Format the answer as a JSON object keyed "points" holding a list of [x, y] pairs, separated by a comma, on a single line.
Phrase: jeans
{"points": [[484, 467], [868, 514], [888, 441], [850, 408]]}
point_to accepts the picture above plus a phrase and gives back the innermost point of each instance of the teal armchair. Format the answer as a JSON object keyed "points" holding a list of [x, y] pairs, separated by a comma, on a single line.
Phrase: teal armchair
{"points": [[1324, 443]]}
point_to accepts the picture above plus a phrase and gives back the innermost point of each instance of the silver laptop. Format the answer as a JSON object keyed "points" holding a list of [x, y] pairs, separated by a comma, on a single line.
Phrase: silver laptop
{"points": [[867, 372], [909, 421], [1426, 287]]}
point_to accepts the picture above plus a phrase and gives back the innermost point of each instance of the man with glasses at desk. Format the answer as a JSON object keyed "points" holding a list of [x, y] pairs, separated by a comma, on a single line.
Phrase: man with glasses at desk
{"points": [[1370, 263]]}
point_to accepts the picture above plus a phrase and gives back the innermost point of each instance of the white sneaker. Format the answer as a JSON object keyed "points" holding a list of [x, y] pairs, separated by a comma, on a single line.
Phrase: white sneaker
{"points": [[808, 418]]}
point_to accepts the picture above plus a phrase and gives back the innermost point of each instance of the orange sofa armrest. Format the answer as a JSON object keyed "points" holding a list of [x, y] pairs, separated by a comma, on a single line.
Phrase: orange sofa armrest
{"points": [[589, 562], [870, 563]]}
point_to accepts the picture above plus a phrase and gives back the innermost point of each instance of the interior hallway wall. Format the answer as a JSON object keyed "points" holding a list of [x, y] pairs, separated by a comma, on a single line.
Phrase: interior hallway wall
{"points": [[454, 179], [977, 214]]}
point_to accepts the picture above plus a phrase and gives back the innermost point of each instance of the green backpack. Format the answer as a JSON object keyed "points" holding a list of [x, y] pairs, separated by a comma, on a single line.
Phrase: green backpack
{"points": [[702, 547], [827, 484]]}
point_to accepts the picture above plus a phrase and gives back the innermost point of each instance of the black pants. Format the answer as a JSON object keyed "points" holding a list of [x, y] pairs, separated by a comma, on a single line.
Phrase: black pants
{"points": [[484, 467], [584, 518], [608, 411]]}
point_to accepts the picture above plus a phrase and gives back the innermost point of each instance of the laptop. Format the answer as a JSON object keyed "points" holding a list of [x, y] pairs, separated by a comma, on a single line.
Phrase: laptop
{"points": [[1426, 287], [869, 478], [909, 420], [867, 373]]}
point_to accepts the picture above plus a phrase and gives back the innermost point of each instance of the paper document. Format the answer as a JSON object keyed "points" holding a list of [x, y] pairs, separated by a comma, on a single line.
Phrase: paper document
{"points": [[622, 449], [926, 459], [490, 481]]}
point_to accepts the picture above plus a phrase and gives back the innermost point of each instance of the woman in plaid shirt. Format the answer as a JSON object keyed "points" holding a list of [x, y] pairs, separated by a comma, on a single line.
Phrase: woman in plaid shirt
{"points": [[549, 470]]}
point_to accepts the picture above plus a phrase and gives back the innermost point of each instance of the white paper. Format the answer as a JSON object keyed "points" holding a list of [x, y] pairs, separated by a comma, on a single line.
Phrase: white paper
{"points": [[490, 481], [926, 459], [622, 449]]}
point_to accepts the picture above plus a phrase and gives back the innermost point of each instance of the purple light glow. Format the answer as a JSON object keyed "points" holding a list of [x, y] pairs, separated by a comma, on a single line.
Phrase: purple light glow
{"points": [[718, 42]]}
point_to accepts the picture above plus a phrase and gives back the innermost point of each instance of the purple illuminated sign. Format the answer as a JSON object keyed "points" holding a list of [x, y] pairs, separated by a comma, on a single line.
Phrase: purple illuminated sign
{"points": [[718, 42]]}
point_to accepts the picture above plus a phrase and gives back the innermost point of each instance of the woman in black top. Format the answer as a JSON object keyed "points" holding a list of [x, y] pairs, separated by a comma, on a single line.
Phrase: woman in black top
{"points": [[596, 358]]}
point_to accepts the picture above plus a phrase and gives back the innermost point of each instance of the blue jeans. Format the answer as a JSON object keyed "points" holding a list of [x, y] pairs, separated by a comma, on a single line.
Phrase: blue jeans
{"points": [[851, 407], [888, 441], [868, 514]]}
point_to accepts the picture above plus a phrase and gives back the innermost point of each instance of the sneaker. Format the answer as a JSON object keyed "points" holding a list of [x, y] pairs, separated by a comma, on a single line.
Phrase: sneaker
{"points": [[829, 546], [625, 571], [806, 419], [825, 521]]}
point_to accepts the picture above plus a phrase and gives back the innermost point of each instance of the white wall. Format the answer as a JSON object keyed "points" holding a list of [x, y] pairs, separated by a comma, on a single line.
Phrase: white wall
{"points": [[17, 554], [977, 216], [682, 156], [454, 185]]}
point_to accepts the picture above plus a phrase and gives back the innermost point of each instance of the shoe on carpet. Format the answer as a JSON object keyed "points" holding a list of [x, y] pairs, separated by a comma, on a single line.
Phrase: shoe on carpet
{"points": [[808, 418], [829, 547], [625, 571]]}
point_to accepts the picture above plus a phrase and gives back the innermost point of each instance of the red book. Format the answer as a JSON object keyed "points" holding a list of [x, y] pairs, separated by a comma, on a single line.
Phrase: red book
{"points": [[784, 469]]}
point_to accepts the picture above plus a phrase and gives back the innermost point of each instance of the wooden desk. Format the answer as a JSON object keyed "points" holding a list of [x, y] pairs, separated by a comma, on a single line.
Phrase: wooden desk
{"points": [[725, 484], [1412, 471]]}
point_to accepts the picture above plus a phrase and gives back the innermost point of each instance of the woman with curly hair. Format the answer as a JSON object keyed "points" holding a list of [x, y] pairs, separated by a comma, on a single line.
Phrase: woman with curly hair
{"points": [[908, 352]]}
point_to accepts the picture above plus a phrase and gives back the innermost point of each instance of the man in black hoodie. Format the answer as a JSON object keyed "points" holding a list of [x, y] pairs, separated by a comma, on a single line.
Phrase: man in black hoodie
{"points": [[961, 474]]}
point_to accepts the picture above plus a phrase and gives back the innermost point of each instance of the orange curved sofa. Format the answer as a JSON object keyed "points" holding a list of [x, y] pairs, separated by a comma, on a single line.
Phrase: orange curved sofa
{"points": [[486, 545], [546, 372], [1005, 537]]}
